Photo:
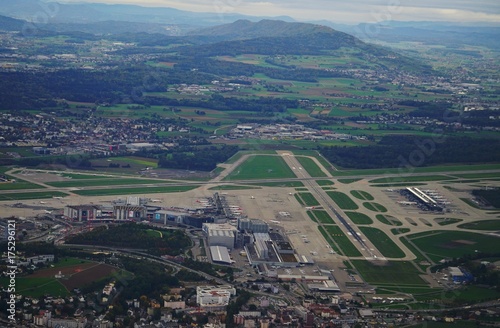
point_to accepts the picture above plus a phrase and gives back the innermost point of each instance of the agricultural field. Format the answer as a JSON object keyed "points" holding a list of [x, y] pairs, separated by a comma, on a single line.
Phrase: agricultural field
{"points": [[382, 242], [262, 167], [342, 200], [440, 245]]}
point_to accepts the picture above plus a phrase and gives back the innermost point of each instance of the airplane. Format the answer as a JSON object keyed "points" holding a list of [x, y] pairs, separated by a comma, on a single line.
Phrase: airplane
{"points": [[407, 203], [156, 200], [48, 212], [310, 208], [43, 202], [57, 197], [252, 197], [274, 221]]}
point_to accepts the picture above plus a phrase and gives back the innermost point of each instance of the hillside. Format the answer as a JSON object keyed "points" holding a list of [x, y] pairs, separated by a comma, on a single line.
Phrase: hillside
{"points": [[245, 29], [10, 24], [273, 38]]}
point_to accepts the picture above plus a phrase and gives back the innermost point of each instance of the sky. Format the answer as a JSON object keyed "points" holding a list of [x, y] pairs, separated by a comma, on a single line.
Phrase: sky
{"points": [[338, 11]]}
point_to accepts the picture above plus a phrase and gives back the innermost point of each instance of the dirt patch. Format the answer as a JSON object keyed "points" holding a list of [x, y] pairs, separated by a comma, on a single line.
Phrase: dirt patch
{"points": [[464, 242], [95, 273], [67, 271]]}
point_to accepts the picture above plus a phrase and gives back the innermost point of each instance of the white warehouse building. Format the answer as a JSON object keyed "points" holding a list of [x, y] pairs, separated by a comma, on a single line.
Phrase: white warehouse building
{"points": [[214, 296], [220, 234]]}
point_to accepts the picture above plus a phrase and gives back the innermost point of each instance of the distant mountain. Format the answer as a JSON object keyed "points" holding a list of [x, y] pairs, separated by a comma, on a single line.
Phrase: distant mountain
{"points": [[11, 24], [443, 33], [245, 29], [96, 12], [272, 38]]}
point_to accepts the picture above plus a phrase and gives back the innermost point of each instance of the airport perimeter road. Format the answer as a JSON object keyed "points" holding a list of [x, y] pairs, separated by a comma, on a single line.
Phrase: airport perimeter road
{"points": [[365, 247]]}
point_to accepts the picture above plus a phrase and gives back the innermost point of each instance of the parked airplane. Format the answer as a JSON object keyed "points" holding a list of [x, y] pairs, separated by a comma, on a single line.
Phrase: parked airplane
{"points": [[57, 197], [48, 212], [156, 200], [274, 221], [309, 207], [43, 202]]}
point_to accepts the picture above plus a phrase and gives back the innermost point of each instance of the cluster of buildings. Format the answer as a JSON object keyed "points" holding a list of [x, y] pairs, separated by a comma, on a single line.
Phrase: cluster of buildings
{"points": [[286, 132], [46, 133]]}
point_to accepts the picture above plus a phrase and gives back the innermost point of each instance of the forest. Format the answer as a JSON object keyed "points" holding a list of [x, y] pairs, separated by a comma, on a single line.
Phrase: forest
{"points": [[414, 151], [132, 235]]}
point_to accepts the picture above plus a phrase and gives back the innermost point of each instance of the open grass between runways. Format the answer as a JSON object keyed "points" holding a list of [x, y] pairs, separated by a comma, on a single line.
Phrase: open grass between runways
{"points": [[389, 220], [31, 195], [362, 195], [359, 218], [311, 167], [335, 233], [342, 200], [131, 191], [416, 178], [375, 207], [382, 242], [308, 199], [262, 167], [322, 217], [440, 245], [492, 225], [104, 182], [397, 273]]}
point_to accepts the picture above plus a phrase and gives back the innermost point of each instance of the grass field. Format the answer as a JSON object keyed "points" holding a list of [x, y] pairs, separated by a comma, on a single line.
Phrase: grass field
{"points": [[308, 199], [311, 167], [312, 216], [37, 287], [429, 169], [417, 178], [447, 221], [375, 207], [262, 167], [389, 220], [348, 181], [232, 187], [359, 218], [397, 273], [290, 184], [31, 195], [439, 245], [103, 182], [398, 231], [131, 191], [382, 242], [492, 225], [335, 233], [18, 184], [363, 195], [325, 182], [342, 200], [322, 217]]}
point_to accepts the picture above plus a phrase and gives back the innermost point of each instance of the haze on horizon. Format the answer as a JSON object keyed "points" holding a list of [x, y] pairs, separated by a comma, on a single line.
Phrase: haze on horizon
{"points": [[352, 12]]}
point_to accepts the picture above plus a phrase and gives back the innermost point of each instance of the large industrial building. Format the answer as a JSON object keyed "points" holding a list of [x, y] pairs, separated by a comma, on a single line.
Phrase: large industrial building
{"points": [[253, 225], [220, 234], [214, 297]]}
